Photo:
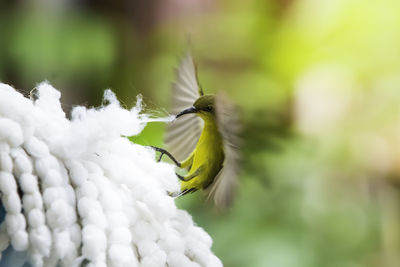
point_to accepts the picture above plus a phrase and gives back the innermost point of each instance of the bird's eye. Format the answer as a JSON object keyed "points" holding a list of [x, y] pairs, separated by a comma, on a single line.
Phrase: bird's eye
{"points": [[209, 108]]}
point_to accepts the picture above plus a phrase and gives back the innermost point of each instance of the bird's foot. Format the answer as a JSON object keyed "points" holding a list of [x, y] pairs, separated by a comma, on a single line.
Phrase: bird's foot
{"points": [[162, 152], [181, 193], [173, 194], [180, 177]]}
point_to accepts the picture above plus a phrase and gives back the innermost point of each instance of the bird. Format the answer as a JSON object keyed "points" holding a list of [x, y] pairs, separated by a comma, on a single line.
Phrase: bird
{"points": [[203, 138]]}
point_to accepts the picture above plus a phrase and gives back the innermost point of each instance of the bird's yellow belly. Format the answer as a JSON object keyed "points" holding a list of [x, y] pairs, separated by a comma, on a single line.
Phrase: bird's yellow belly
{"points": [[208, 157]]}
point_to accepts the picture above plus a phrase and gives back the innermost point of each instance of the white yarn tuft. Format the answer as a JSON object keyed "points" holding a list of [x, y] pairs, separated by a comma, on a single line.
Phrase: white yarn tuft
{"points": [[76, 191]]}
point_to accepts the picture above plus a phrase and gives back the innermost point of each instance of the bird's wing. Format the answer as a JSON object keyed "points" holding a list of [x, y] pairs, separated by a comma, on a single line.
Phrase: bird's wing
{"points": [[182, 134], [224, 186]]}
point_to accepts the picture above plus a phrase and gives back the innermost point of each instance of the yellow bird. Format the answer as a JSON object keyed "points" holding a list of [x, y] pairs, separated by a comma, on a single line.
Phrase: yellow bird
{"points": [[203, 139]]}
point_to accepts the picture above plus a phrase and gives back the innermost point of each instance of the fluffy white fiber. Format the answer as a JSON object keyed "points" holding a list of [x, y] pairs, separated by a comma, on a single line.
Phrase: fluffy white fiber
{"points": [[77, 193]]}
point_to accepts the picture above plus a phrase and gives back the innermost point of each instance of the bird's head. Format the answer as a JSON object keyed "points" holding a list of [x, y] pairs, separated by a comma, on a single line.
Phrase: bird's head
{"points": [[204, 107]]}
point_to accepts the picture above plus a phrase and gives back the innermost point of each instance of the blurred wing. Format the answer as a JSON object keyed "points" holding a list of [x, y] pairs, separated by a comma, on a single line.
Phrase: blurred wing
{"points": [[182, 134], [224, 187]]}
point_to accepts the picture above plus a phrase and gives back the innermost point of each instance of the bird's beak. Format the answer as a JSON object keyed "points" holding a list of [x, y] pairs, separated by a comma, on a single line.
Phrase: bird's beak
{"points": [[187, 111]]}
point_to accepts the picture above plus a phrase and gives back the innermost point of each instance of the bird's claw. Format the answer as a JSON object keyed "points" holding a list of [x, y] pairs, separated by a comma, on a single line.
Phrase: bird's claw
{"points": [[165, 152], [159, 159], [173, 194], [162, 152], [180, 177]]}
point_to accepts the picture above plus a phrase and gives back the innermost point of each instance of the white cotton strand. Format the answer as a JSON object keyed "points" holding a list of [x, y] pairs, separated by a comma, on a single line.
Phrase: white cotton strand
{"points": [[52, 194], [93, 168], [120, 235], [51, 261], [147, 247], [35, 218], [214, 261], [39, 234], [158, 259], [32, 201], [199, 234], [182, 222], [145, 230], [120, 251], [117, 219], [70, 194], [4, 147], [36, 148], [76, 192], [94, 242], [36, 259], [172, 241], [14, 222], [7, 183], [52, 179], [22, 163], [59, 203], [5, 162], [60, 214], [176, 259], [43, 165], [88, 189], [12, 203], [28, 183], [162, 205], [197, 251], [96, 217], [19, 240], [75, 234], [111, 201], [121, 256], [94, 239], [11, 132], [86, 204], [78, 174], [62, 243], [40, 237]]}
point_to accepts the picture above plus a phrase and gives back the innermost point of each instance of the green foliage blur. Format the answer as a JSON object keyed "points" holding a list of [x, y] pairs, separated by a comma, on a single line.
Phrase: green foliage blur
{"points": [[318, 86]]}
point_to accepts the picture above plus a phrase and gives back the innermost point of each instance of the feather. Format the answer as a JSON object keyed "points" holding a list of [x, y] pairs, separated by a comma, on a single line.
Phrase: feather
{"points": [[223, 189], [185, 91]]}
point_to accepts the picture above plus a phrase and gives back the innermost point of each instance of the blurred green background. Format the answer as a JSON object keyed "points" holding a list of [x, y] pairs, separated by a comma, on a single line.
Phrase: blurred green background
{"points": [[318, 85]]}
